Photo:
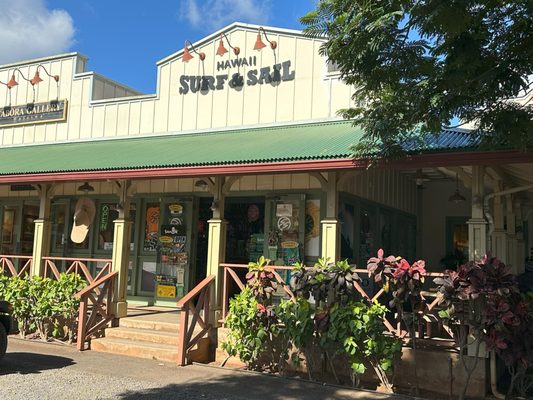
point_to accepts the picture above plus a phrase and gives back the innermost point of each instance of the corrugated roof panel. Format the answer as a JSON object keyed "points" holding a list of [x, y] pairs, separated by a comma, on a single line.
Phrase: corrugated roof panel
{"points": [[313, 141], [285, 143], [446, 140]]}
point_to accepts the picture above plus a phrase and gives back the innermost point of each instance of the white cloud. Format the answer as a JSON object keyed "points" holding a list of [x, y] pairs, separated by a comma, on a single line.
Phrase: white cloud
{"points": [[28, 29], [211, 15]]}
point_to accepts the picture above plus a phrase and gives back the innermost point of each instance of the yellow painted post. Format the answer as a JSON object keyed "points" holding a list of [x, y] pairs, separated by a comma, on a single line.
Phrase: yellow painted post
{"points": [[216, 247], [477, 224], [499, 235], [121, 253], [121, 249], [329, 239], [330, 226], [41, 238]]}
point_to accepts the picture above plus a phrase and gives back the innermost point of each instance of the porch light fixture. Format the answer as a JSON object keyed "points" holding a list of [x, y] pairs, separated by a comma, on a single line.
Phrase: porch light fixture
{"points": [[8, 106], [201, 184], [222, 50], [12, 83], [86, 188], [187, 56], [456, 197], [259, 44], [37, 78], [34, 81]]}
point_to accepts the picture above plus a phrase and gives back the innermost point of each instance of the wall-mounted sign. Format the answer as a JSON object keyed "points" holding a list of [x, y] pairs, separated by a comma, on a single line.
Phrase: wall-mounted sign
{"points": [[284, 223], [33, 113], [266, 75]]}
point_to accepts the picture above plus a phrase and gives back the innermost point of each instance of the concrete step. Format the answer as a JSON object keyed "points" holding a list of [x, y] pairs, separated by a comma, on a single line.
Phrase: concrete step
{"points": [[144, 335], [150, 325], [153, 351]]}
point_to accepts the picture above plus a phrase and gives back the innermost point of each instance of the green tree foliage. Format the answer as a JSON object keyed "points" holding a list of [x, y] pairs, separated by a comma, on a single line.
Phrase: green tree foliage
{"points": [[418, 64]]}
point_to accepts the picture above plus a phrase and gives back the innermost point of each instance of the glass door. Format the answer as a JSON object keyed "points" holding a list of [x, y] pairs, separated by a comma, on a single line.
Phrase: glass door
{"points": [[146, 260], [285, 227], [174, 250]]}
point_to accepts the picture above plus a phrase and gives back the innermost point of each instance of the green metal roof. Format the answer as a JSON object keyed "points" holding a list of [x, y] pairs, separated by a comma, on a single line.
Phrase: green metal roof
{"points": [[313, 141]]}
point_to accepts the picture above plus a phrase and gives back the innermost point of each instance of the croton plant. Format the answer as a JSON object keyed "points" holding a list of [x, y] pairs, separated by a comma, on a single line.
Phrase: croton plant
{"points": [[505, 321], [396, 275]]}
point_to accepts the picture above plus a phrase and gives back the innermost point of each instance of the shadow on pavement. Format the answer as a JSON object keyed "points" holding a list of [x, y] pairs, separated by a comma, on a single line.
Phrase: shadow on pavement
{"points": [[31, 363], [262, 387]]}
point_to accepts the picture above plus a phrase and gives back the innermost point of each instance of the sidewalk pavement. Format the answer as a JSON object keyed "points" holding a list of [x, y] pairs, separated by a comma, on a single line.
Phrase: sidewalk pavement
{"points": [[33, 370]]}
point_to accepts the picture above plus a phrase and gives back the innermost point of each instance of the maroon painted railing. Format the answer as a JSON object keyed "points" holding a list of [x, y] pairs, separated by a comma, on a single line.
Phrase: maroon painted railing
{"points": [[230, 273], [186, 305], [393, 326], [16, 265], [95, 310], [77, 265]]}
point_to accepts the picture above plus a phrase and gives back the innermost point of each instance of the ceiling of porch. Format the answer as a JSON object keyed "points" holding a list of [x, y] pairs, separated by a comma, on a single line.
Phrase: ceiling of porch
{"points": [[497, 178]]}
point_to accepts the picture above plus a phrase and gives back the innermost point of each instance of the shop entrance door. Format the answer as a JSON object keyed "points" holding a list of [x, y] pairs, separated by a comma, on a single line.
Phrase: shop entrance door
{"points": [[245, 235], [285, 227], [201, 236], [164, 260]]}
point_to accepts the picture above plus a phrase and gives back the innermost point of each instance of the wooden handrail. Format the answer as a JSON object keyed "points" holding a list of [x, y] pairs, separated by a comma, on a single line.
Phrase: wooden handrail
{"points": [[100, 294], [77, 266], [186, 304], [14, 256], [195, 291], [77, 259], [8, 261], [95, 284]]}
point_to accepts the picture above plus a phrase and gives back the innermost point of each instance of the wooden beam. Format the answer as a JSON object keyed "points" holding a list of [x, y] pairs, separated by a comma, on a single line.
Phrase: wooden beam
{"points": [[464, 176]]}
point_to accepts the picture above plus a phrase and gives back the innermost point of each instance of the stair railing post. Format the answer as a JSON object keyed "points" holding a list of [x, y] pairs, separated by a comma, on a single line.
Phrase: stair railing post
{"points": [[182, 342], [82, 327]]}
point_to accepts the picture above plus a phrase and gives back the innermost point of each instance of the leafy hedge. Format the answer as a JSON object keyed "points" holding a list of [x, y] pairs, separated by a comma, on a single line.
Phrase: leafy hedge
{"points": [[267, 335], [42, 305]]}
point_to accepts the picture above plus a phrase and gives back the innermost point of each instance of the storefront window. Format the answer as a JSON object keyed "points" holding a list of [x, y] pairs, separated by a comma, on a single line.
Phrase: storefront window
{"points": [[29, 214], [108, 213], [366, 236], [8, 230], [151, 229], [57, 218], [245, 231], [148, 276], [385, 232], [346, 220], [286, 236]]}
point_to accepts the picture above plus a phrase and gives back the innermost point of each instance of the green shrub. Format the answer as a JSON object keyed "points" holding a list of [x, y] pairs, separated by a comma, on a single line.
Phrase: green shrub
{"points": [[252, 329], [43, 304]]}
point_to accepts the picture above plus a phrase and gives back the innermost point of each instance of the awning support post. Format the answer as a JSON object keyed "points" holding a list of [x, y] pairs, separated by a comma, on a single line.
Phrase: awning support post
{"points": [[41, 238], [121, 248], [477, 224], [330, 225], [216, 244]]}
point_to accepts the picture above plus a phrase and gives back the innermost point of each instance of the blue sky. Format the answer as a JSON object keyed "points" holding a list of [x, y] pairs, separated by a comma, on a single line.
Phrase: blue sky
{"points": [[124, 38]]}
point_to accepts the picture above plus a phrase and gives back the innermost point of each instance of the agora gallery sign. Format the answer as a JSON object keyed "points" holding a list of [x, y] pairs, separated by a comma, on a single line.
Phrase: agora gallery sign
{"points": [[266, 75]]}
